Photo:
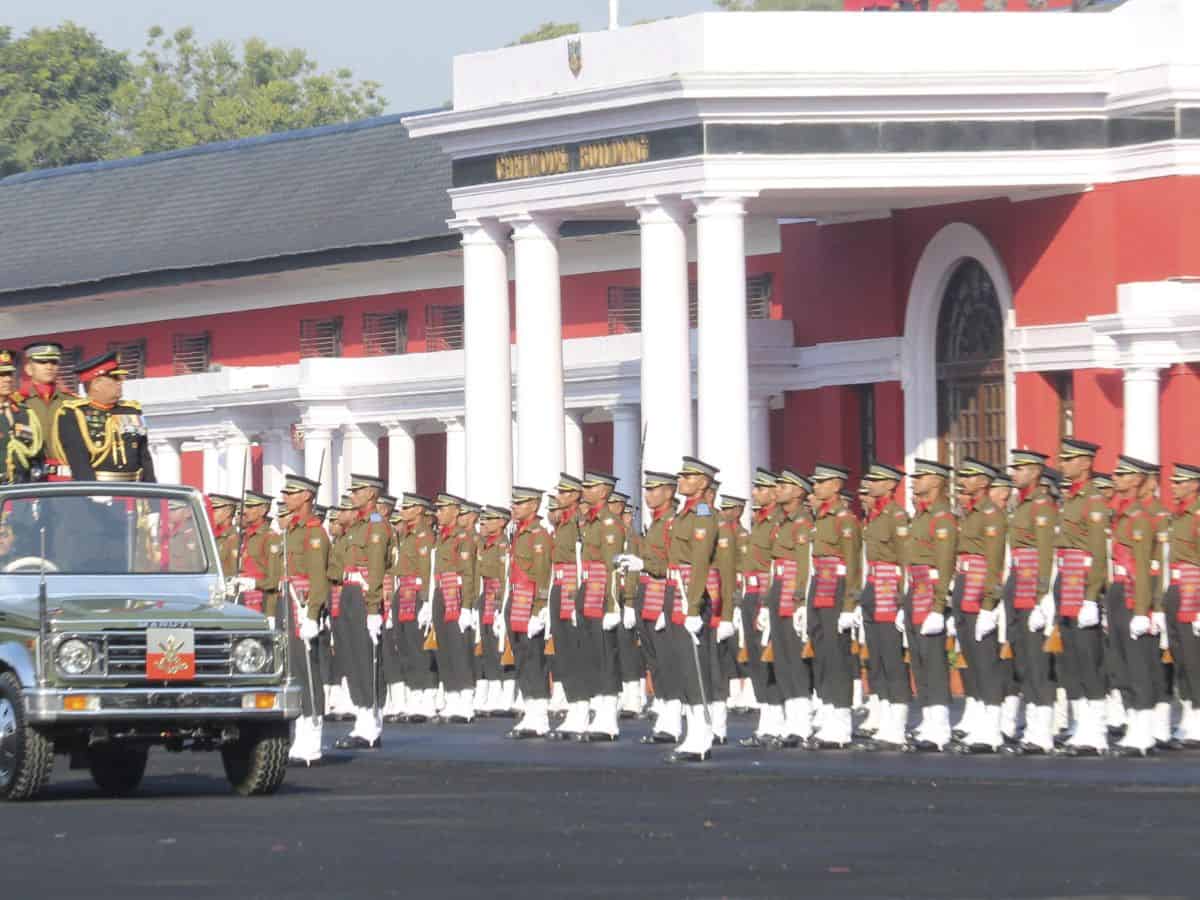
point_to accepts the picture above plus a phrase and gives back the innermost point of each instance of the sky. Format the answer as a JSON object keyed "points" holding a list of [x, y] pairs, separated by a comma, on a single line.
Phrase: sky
{"points": [[406, 45]]}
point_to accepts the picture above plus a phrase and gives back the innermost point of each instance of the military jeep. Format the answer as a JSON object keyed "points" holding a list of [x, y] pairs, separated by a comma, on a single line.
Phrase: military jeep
{"points": [[116, 635]]}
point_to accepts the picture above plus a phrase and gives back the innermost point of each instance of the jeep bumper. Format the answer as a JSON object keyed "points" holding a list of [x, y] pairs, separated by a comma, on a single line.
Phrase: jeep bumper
{"points": [[95, 705]]}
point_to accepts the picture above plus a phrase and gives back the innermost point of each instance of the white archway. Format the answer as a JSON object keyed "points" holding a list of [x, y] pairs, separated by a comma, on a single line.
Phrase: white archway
{"points": [[950, 246]]}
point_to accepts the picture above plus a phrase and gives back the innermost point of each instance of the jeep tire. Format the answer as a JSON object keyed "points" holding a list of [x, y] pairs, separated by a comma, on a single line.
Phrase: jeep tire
{"points": [[26, 755], [256, 763], [117, 770]]}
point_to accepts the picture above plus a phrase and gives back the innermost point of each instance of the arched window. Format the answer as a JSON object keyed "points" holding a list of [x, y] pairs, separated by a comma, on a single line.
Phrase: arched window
{"points": [[970, 369]]}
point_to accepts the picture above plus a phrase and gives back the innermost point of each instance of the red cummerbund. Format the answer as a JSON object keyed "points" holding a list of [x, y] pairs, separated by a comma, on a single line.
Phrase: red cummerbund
{"points": [[566, 578], [1025, 577], [1073, 568], [920, 586], [972, 569], [712, 584], [595, 587], [252, 600], [1124, 568], [787, 574], [1186, 578], [520, 607], [450, 584], [408, 587], [654, 593], [491, 598], [885, 579], [827, 571]]}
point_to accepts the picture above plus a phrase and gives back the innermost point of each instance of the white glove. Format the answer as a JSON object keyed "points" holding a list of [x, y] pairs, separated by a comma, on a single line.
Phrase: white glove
{"points": [[694, 624], [736, 618], [498, 627], [536, 626], [935, 623], [660, 624], [1196, 627], [798, 623], [1089, 614], [466, 620], [309, 629], [610, 621], [858, 617], [1138, 626], [629, 618], [1037, 619], [763, 619], [374, 627], [845, 622], [985, 624], [244, 583], [766, 633], [271, 622], [725, 630], [951, 626], [900, 620], [574, 616], [1158, 623], [630, 563], [425, 615], [356, 578]]}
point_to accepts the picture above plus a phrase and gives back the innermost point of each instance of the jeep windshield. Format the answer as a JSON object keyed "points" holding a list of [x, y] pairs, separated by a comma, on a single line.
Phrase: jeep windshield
{"points": [[102, 534]]}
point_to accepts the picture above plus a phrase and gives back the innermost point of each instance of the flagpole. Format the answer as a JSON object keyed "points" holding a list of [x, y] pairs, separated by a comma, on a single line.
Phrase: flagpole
{"points": [[614, 14]]}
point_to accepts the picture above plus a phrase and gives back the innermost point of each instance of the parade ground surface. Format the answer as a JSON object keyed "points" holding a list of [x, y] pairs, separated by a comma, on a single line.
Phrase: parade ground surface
{"points": [[447, 811]]}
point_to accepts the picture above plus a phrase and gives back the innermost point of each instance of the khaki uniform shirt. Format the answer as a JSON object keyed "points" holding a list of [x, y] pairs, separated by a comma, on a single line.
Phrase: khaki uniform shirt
{"points": [[1083, 525], [1033, 525], [933, 541], [982, 530]]}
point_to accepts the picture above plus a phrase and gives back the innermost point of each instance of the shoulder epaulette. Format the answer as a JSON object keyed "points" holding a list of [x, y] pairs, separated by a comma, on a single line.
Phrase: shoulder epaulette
{"points": [[703, 509], [74, 403], [131, 403]]}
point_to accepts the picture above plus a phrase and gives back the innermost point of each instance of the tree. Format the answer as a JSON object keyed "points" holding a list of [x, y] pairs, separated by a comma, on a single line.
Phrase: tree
{"points": [[547, 31], [182, 93], [56, 87], [779, 5]]}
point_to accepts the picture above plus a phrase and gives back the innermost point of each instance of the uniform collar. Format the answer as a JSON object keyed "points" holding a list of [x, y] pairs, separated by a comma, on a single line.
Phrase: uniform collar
{"points": [[1121, 505], [1077, 487], [253, 529], [763, 513], [829, 506], [690, 505], [526, 524], [99, 405], [593, 512], [661, 512], [881, 503], [45, 391]]}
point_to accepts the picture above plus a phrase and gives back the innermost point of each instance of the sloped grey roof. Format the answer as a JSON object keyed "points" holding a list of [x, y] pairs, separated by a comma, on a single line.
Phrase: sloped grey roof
{"points": [[364, 184]]}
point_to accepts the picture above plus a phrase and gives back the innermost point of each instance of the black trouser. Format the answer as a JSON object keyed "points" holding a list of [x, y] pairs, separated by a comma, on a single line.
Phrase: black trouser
{"points": [[391, 649], [721, 665], [326, 668], [762, 674], [988, 675], [648, 647], [306, 668], [531, 665], [927, 653], [598, 672], [793, 673], [1185, 647], [419, 668], [629, 655], [566, 666], [454, 649], [834, 666], [1031, 664], [885, 647], [487, 663], [684, 653], [1116, 672], [1081, 665], [357, 654], [1140, 658]]}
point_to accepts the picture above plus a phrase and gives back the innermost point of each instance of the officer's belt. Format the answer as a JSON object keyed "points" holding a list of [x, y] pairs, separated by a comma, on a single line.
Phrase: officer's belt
{"points": [[119, 476]]}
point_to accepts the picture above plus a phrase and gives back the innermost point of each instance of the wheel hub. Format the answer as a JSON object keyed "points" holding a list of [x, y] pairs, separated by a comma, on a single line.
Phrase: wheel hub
{"points": [[8, 742]]}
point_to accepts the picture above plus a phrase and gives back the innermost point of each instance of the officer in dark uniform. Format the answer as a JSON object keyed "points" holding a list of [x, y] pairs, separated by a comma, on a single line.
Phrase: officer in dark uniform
{"points": [[42, 362], [102, 436], [21, 435]]}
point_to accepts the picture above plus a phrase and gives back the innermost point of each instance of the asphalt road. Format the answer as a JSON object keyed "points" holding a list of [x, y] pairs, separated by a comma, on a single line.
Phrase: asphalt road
{"points": [[452, 811]]}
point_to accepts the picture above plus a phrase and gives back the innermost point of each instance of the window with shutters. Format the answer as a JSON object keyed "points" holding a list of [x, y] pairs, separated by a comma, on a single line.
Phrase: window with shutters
{"points": [[385, 334], [133, 357], [624, 310], [758, 299], [866, 423], [321, 337], [190, 353], [68, 381], [443, 327], [1064, 385]]}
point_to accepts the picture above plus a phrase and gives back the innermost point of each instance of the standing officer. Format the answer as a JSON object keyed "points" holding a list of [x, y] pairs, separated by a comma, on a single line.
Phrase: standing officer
{"points": [[724, 596], [42, 362], [1182, 600], [1160, 518], [693, 538], [978, 611], [21, 435], [1082, 557], [757, 574], [412, 573], [885, 537], [224, 510], [451, 612], [833, 605], [492, 559], [564, 619], [103, 437], [932, 546], [524, 621], [629, 657], [737, 537], [261, 557], [1028, 597], [364, 562], [306, 558]]}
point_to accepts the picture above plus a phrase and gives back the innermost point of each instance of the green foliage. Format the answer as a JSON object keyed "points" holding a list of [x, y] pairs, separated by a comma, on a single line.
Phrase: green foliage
{"points": [[547, 31], [56, 87], [779, 5]]}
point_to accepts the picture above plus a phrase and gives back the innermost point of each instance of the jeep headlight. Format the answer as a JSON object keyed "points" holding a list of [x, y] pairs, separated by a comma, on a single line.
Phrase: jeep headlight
{"points": [[75, 656], [250, 656]]}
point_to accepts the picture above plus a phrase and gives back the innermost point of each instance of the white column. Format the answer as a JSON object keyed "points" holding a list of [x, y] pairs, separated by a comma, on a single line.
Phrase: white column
{"points": [[360, 451], [627, 441], [168, 467], [487, 384], [402, 457], [760, 431], [1141, 412], [318, 461], [573, 441], [280, 459], [666, 367], [722, 364], [456, 456], [540, 420], [235, 453]]}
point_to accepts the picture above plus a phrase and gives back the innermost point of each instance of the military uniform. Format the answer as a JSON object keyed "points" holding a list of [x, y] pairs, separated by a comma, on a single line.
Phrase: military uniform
{"points": [[492, 568], [724, 595], [629, 656], [757, 578], [455, 589], [1182, 606], [526, 613], [563, 619], [43, 402], [103, 442], [21, 432], [226, 533], [261, 561], [411, 574]]}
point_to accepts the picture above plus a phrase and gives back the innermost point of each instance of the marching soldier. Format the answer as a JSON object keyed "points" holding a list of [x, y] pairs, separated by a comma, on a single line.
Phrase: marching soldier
{"points": [[305, 559], [1028, 598], [184, 547], [629, 657], [1103, 482], [885, 536], [563, 616], [833, 605], [21, 434], [932, 546], [752, 619], [1160, 518], [784, 615], [102, 436], [978, 611], [693, 539], [731, 511], [524, 621], [386, 507], [363, 558], [491, 675], [224, 510], [42, 366], [723, 597], [340, 517], [1082, 559], [412, 573], [1001, 491], [451, 610], [261, 557], [1182, 600], [649, 560]]}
